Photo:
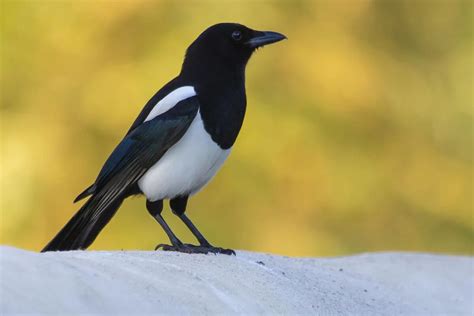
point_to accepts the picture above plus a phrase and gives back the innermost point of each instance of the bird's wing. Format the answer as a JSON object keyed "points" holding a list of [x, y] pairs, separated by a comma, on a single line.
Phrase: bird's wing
{"points": [[142, 148], [152, 103]]}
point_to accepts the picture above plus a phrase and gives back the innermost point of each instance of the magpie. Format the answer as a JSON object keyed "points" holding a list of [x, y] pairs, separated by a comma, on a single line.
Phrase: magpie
{"points": [[177, 143]]}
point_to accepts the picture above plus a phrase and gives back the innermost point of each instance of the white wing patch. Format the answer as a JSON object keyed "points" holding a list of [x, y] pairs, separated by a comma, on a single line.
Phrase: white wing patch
{"points": [[171, 100]]}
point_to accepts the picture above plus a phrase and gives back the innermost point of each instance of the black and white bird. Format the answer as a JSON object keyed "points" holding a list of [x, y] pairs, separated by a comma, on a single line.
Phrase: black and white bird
{"points": [[177, 143]]}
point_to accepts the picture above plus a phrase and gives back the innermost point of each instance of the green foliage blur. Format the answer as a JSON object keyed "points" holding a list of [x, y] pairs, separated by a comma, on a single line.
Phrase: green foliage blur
{"points": [[358, 135]]}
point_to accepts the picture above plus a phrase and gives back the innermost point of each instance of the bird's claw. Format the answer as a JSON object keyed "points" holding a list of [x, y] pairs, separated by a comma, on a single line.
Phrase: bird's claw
{"points": [[188, 248], [161, 246]]}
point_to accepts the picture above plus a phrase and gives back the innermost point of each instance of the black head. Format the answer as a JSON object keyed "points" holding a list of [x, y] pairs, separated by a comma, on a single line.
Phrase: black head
{"points": [[224, 47]]}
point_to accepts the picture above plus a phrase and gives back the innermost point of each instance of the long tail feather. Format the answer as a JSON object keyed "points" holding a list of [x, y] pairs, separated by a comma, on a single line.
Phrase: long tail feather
{"points": [[89, 191], [86, 224]]}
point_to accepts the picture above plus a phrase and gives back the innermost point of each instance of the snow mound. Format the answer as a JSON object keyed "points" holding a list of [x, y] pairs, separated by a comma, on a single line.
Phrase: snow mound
{"points": [[137, 282]]}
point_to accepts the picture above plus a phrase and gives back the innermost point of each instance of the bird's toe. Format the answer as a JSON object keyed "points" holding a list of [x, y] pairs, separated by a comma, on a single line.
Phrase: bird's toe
{"points": [[188, 248], [219, 250]]}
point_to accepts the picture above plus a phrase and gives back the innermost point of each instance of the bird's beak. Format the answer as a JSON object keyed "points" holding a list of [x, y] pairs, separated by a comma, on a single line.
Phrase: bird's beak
{"points": [[264, 38]]}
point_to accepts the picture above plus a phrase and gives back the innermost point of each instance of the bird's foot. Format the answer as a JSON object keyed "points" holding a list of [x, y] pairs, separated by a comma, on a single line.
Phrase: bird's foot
{"points": [[188, 248]]}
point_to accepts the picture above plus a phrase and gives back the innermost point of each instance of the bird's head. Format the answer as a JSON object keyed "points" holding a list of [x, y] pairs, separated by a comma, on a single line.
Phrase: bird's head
{"points": [[226, 46]]}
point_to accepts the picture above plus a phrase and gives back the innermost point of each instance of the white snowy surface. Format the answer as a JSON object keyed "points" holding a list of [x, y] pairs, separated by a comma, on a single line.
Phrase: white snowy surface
{"points": [[137, 282]]}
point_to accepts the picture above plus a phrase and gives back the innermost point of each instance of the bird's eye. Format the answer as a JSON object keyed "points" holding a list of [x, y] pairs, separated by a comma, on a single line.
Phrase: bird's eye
{"points": [[236, 35]]}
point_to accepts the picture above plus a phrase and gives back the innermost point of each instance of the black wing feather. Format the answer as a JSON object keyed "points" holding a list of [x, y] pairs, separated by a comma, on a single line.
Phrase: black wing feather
{"points": [[166, 89], [118, 152], [146, 144]]}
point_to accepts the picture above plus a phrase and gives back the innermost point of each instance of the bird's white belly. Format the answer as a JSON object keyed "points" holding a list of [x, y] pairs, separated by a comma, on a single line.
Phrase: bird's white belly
{"points": [[186, 167]]}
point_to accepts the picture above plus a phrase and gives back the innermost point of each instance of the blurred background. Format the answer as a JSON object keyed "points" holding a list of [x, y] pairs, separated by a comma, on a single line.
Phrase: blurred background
{"points": [[358, 135]]}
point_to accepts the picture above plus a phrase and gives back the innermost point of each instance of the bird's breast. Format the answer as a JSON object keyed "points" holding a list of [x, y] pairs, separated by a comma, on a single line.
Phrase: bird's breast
{"points": [[186, 167], [222, 109]]}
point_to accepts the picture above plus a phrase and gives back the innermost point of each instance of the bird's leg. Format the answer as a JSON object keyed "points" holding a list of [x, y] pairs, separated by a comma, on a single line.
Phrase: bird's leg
{"points": [[155, 208], [178, 206], [202, 241], [204, 245], [175, 242]]}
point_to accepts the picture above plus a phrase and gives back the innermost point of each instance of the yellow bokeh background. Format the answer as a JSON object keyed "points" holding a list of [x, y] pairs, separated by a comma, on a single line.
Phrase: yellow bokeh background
{"points": [[358, 135]]}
